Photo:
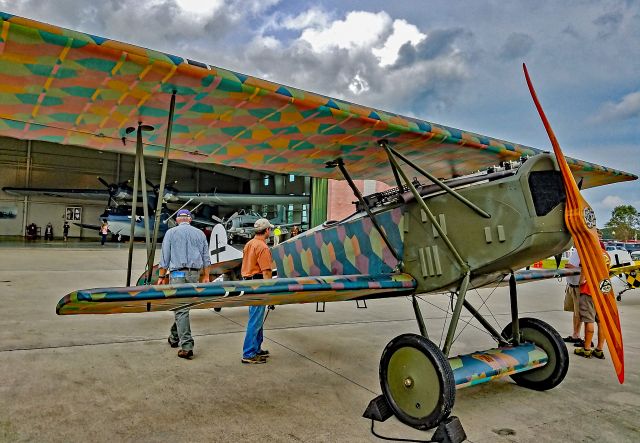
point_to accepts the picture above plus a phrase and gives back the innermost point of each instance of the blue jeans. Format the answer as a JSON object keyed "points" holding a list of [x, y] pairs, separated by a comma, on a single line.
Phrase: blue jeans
{"points": [[253, 338], [181, 328]]}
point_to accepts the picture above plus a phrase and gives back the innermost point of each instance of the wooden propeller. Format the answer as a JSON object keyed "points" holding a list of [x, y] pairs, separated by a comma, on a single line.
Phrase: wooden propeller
{"points": [[581, 222]]}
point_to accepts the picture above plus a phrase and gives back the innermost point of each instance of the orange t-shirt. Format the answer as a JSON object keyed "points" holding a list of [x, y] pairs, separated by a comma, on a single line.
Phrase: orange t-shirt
{"points": [[256, 258]]}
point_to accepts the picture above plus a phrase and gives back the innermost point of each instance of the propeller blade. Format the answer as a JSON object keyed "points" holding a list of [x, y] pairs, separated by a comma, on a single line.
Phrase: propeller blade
{"points": [[103, 181], [216, 218], [581, 222]]}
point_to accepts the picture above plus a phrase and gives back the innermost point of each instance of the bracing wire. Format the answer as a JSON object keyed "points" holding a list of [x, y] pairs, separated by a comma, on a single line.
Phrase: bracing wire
{"points": [[444, 325], [463, 320], [484, 302]]}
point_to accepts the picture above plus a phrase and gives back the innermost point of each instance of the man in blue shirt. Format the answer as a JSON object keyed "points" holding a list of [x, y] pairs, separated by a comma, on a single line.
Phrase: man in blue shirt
{"points": [[185, 259]]}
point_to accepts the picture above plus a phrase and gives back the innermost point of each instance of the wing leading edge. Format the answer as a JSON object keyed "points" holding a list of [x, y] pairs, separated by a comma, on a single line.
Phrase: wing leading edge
{"points": [[236, 293], [89, 89]]}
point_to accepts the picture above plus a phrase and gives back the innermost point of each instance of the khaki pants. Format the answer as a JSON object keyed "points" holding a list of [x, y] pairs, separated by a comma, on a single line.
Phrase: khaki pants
{"points": [[181, 328]]}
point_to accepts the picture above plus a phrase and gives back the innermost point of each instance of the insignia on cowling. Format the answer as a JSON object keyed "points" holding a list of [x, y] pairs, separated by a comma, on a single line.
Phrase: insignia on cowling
{"points": [[605, 286], [589, 217]]}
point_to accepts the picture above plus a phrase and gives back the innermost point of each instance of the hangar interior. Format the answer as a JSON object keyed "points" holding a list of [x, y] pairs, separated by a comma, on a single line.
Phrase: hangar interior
{"points": [[38, 164]]}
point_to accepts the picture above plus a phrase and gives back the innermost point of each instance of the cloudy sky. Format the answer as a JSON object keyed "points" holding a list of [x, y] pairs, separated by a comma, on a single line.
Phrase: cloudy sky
{"points": [[454, 63]]}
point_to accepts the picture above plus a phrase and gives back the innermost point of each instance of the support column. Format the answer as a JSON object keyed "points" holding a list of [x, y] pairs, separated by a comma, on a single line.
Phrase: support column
{"points": [[27, 182], [319, 198]]}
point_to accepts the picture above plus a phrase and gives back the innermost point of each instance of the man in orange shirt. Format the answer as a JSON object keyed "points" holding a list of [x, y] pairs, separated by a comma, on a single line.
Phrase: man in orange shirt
{"points": [[256, 264]]}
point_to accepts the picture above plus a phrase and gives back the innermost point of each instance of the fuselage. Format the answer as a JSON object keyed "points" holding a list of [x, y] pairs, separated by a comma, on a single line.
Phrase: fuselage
{"points": [[526, 224], [120, 224]]}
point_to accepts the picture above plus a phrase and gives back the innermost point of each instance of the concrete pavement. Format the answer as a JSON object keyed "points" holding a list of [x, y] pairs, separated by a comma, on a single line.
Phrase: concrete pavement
{"points": [[114, 378]]}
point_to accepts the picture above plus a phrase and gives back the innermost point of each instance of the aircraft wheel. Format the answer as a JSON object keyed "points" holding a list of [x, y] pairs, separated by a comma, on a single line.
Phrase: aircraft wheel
{"points": [[544, 336], [417, 381], [619, 297], [217, 309]]}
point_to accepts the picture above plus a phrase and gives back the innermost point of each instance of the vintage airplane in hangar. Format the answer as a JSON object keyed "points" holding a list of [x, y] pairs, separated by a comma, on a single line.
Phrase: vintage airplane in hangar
{"points": [[118, 212], [442, 234]]}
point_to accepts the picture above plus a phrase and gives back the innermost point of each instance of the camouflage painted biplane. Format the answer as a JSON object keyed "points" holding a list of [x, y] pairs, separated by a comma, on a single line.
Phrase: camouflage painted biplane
{"points": [[438, 233]]}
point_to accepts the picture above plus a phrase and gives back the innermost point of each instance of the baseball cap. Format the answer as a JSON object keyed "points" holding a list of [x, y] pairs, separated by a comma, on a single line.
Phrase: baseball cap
{"points": [[183, 213], [262, 223]]}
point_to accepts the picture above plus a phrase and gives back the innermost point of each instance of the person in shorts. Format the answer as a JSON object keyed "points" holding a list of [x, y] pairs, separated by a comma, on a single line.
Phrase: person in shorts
{"points": [[573, 293]]}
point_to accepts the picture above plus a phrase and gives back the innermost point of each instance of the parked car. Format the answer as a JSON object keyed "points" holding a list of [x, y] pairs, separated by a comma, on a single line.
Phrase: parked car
{"points": [[632, 247]]}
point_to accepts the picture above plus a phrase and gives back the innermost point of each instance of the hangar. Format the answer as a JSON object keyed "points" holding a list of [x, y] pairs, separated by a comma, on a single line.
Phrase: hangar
{"points": [[41, 164]]}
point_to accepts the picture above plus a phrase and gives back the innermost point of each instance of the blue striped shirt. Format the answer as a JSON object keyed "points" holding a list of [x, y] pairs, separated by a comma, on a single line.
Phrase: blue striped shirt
{"points": [[184, 246]]}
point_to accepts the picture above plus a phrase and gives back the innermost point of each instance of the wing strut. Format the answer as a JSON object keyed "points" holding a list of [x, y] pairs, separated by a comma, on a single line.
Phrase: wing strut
{"points": [[138, 172], [385, 144], [163, 178], [340, 164], [425, 208]]}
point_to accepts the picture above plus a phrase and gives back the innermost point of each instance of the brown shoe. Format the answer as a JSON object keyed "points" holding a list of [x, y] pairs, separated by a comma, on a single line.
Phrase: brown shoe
{"points": [[185, 354], [255, 360]]}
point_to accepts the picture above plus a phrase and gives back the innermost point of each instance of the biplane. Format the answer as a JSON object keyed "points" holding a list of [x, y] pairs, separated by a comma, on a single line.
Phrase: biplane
{"points": [[464, 223], [118, 213]]}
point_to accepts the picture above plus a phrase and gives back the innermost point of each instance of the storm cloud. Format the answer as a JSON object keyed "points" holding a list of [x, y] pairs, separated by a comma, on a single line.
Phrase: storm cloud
{"points": [[456, 63]]}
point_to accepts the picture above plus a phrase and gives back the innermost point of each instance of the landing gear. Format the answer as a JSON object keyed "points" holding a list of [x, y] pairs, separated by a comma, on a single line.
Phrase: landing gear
{"points": [[544, 336], [417, 381]]}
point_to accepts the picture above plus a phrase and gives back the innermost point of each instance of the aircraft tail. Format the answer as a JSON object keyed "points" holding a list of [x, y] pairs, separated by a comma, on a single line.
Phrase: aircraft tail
{"points": [[219, 247]]}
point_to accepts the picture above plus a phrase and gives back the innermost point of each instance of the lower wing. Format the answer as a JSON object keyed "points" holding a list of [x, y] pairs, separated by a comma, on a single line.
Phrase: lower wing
{"points": [[87, 226], [278, 291], [526, 275]]}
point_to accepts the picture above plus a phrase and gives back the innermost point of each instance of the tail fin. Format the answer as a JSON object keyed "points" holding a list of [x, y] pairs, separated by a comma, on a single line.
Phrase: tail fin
{"points": [[219, 247]]}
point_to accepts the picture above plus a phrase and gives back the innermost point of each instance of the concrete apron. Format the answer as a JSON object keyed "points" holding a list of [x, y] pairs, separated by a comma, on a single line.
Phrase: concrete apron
{"points": [[112, 378]]}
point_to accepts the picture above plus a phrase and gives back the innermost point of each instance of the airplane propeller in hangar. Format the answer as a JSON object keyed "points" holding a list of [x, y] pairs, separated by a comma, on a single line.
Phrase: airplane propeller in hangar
{"points": [[121, 191]]}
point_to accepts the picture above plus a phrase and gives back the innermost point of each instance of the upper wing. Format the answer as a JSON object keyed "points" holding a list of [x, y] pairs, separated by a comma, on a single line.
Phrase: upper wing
{"points": [[87, 194], [235, 293], [73, 88]]}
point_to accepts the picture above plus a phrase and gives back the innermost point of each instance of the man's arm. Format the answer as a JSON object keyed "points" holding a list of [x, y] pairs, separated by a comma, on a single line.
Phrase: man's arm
{"points": [[204, 278], [165, 259]]}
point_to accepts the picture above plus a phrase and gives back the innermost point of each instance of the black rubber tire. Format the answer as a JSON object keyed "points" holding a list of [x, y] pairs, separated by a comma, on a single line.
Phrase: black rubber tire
{"points": [[540, 333], [442, 372]]}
